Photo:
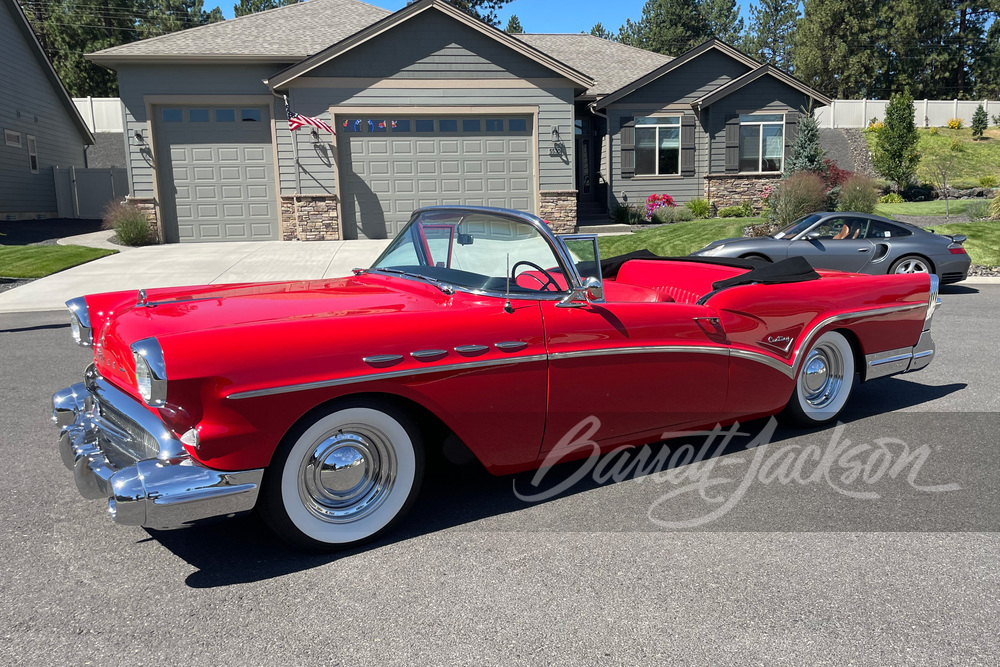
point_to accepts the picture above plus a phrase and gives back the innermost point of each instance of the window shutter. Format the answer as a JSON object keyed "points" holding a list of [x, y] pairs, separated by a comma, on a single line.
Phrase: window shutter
{"points": [[687, 145], [732, 142], [627, 139], [791, 128]]}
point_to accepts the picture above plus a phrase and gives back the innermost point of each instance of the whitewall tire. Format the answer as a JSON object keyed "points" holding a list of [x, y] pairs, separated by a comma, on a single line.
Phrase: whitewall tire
{"points": [[823, 382], [345, 477]]}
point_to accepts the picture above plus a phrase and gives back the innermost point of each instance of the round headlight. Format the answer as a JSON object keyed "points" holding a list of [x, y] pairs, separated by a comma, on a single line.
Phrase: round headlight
{"points": [[74, 323], [143, 377]]}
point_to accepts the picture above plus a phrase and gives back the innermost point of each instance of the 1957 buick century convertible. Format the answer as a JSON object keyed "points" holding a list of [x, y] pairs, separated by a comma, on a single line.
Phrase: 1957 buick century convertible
{"points": [[314, 402]]}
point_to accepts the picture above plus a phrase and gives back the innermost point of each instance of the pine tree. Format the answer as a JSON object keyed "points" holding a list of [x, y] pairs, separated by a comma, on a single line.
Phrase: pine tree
{"points": [[835, 48], [895, 155], [513, 26], [253, 6], [484, 10], [600, 31], [724, 20], [772, 31], [979, 122], [630, 33], [160, 17], [672, 27], [807, 154]]}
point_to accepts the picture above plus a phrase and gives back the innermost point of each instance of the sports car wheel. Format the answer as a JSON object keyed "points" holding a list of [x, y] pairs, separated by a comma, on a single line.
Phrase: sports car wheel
{"points": [[343, 478], [910, 264], [824, 382]]}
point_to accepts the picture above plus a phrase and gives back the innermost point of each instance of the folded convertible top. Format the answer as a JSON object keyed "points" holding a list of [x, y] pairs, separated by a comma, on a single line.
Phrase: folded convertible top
{"points": [[791, 270], [611, 266]]}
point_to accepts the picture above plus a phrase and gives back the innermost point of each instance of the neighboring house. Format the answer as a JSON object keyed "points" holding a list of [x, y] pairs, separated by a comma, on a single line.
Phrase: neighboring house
{"points": [[430, 106], [41, 127]]}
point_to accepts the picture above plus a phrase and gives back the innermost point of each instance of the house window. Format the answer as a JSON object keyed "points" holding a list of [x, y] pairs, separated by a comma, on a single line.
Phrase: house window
{"points": [[657, 146], [762, 142], [425, 125], [198, 115], [448, 125], [12, 138], [494, 124], [470, 125], [173, 115], [250, 115], [517, 125], [401, 125], [32, 154], [225, 115]]}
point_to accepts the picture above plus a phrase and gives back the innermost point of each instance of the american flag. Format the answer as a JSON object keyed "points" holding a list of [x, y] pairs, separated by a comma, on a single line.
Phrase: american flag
{"points": [[295, 121]]}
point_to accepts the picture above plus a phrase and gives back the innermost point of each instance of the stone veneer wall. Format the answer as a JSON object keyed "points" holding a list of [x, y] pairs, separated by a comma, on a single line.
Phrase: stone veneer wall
{"points": [[558, 207], [722, 190], [310, 218], [148, 206]]}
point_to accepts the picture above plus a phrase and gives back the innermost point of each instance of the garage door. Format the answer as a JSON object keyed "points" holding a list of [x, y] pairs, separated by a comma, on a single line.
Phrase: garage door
{"points": [[393, 165], [217, 174]]}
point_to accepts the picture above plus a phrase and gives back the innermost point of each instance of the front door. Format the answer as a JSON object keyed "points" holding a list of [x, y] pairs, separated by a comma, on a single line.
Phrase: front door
{"points": [[641, 368]]}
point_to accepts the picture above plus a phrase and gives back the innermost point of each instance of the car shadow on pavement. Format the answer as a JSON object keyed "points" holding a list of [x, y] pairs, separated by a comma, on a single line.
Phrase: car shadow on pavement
{"points": [[958, 289], [243, 549]]}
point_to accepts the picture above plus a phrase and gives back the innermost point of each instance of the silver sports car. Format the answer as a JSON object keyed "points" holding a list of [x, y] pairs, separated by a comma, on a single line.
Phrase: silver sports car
{"points": [[857, 242]]}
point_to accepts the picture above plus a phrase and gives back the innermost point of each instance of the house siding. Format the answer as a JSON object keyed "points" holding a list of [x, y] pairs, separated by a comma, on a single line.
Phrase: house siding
{"points": [[671, 94], [25, 89], [764, 95]]}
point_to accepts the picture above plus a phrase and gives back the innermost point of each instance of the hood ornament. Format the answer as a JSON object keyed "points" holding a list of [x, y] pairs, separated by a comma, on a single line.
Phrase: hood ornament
{"points": [[141, 302]]}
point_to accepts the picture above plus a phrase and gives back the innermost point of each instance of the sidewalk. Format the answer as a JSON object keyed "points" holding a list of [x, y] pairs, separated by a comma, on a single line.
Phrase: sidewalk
{"points": [[192, 264]]}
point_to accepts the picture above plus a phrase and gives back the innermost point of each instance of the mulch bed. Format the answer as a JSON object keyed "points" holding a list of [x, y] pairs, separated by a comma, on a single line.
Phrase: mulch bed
{"points": [[11, 283], [44, 232]]}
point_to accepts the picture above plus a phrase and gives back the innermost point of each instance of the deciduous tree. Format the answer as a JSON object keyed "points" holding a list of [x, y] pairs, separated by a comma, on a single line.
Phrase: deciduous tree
{"points": [[895, 155]]}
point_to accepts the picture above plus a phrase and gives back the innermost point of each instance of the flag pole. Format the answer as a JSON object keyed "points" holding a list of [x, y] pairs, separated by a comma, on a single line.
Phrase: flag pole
{"points": [[295, 151]]}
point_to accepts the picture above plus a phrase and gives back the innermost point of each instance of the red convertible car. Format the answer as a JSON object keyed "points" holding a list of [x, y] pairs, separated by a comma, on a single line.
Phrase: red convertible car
{"points": [[314, 402]]}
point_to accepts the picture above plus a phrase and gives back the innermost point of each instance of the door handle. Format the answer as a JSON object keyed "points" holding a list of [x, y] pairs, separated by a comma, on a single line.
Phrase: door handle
{"points": [[863, 249]]}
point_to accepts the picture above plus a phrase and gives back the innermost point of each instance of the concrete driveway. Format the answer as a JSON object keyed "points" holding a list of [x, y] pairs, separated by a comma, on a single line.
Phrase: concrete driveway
{"points": [[194, 264]]}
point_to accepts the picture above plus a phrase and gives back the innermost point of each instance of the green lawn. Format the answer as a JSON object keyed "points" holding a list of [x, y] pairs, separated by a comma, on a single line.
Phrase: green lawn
{"points": [[983, 244], [38, 261], [675, 240], [935, 207], [977, 159]]}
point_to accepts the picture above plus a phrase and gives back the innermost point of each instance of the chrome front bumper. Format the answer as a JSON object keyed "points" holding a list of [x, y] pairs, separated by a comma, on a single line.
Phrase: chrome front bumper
{"points": [[120, 451], [902, 360]]}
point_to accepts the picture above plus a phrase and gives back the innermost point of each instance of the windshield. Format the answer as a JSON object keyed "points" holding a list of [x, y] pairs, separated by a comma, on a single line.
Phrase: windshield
{"points": [[475, 250], [797, 227]]}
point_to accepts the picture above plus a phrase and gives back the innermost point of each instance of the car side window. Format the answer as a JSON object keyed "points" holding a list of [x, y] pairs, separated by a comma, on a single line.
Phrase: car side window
{"points": [[880, 230], [829, 229]]}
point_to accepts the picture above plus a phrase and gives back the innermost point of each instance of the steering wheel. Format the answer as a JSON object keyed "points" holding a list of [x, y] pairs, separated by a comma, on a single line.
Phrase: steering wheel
{"points": [[549, 280]]}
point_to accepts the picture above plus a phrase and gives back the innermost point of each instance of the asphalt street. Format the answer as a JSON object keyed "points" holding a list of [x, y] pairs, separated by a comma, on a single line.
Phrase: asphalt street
{"points": [[874, 542]]}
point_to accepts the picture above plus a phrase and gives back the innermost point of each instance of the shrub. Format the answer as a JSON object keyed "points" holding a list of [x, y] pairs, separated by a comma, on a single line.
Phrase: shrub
{"points": [[833, 175], [129, 222], [978, 210], [874, 125], [995, 208], [955, 124], [933, 131], [665, 215], [798, 195], [891, 198], [979, 124], [996, 120], [654, 202], [956, 146], [858, 194], [988, 181], [895, 155], [731, 212], [807, 154], [626, 214], [699, 208]]}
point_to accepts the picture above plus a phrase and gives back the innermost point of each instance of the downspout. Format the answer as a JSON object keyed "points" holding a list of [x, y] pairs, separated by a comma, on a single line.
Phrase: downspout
{"points": [[607, 145], [295, 145]]}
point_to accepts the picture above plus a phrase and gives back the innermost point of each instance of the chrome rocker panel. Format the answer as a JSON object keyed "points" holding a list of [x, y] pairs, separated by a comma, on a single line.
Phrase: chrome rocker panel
{"points": [[168, 490], [901, 360]]}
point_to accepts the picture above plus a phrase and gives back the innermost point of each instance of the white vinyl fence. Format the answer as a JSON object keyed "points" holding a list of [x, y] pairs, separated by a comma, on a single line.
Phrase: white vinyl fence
{"points": [[102, 114], [83, 193], [926, 113]]}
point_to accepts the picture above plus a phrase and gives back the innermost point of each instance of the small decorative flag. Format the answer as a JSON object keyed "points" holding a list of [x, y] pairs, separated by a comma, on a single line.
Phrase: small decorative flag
{"points": [[345, 124], [381, 124], [394, 125], [295, 121]]}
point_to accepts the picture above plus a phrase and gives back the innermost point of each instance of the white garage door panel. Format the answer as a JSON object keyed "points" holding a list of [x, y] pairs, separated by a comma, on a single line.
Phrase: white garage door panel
{"points": [[220, 182], [387, 173]]}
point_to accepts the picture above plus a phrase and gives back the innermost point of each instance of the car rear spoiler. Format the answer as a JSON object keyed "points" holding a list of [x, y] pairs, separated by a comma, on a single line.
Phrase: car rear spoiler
{"points": [[956, 238]]}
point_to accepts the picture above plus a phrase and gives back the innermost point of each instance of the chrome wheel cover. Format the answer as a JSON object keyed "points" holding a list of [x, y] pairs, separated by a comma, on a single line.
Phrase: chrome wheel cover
{"points": [[911, 265], [822, 376], [348, 474]]}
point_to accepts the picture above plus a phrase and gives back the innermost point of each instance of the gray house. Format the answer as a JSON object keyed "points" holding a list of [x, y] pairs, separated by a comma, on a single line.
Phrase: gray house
{"points": [[41, 126], [430, 106]]}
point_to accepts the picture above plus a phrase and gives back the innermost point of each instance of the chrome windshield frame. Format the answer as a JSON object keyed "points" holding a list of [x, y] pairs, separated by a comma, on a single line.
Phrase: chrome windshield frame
{"points": [[555, 243]]}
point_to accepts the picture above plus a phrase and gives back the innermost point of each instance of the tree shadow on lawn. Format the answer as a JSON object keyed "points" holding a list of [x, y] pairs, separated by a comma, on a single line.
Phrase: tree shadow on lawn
{"points": [[26, 232], [243, 549]]}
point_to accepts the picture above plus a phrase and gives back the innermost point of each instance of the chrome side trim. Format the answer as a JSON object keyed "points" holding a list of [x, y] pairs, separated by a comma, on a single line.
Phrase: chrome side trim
{"points": [[382, 360], [761, 358], [389, 375], [472, 350], [923, 352], [890, 362], [646, 349]]}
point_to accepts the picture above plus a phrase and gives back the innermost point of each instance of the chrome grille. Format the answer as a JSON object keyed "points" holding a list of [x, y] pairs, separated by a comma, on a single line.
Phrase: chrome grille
{"points": [[124, 441]]}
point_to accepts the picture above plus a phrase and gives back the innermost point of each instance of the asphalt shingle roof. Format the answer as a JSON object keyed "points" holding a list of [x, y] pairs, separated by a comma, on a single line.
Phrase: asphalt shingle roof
{"points": [[293, 32], [611, 65]]}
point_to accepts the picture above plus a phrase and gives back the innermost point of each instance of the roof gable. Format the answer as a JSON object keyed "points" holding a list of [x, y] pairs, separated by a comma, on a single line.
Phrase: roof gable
{"points": [[281, 79], [675, 64], [755, 75], [21, 21]]}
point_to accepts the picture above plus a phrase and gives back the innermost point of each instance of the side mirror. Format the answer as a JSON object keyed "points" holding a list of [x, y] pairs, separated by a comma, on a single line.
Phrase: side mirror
{"points": [[594, 289], [812, 236], [591, 292]]}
